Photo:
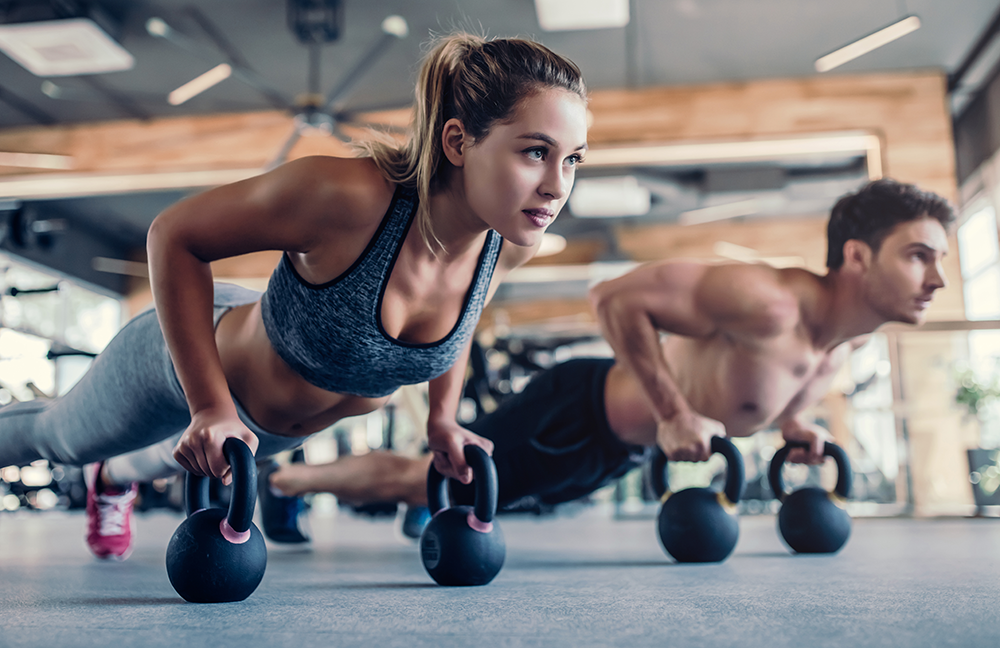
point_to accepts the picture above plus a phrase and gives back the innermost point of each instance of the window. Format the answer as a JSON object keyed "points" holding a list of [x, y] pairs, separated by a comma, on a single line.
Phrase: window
{"points": [[979, 257]]}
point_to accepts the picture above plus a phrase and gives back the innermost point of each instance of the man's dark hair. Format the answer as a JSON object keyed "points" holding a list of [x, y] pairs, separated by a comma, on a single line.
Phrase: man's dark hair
{"points": [[871, 214]]}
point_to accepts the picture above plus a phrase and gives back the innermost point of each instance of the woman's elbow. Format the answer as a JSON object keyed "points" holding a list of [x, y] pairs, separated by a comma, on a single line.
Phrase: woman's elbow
{"points": [[164, 237]]}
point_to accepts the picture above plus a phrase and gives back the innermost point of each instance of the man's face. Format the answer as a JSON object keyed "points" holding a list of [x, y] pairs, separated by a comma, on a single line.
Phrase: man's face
{"points": [[904, 274]]}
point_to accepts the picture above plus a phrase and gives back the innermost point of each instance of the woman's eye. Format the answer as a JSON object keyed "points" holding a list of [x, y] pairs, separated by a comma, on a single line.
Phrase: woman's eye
{"points": [[535, 154], [574, 160]]}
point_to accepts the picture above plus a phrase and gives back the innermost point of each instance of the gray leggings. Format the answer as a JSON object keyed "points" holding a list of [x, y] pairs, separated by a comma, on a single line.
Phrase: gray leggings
{"points": [[129, 405]]}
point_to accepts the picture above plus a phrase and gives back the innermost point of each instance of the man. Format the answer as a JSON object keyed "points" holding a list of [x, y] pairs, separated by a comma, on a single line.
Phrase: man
{"points": [[748, 347]]}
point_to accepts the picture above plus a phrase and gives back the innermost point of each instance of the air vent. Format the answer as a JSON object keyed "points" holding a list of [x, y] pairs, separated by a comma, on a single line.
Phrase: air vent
{"points": [[64, 48]]}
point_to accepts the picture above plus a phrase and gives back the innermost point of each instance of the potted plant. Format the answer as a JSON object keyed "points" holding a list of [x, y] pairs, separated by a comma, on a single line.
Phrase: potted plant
{"points": [[979, 397]]}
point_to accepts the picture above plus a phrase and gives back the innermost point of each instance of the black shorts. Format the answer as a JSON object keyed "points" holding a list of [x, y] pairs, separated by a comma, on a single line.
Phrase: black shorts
{"points": [[552, 440]]}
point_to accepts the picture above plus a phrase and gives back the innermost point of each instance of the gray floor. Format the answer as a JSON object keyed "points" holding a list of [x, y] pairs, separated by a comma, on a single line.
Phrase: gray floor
{"points": [[569, 581]]}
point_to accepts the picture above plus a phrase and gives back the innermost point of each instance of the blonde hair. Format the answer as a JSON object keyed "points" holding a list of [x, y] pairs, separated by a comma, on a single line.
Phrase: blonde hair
{"points": [[480, 82]]}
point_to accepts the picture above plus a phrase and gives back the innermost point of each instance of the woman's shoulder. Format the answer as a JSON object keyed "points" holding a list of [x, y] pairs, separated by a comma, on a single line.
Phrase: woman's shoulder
{"points": [[353, 189]]}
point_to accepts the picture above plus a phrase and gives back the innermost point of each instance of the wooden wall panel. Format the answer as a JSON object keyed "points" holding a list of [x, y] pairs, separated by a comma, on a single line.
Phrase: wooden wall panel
{"points": [[230, 141], [909, 112]]}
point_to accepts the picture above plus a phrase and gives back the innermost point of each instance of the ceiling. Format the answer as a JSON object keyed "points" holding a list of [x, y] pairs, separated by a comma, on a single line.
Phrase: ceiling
{"points": [[666, 42]]}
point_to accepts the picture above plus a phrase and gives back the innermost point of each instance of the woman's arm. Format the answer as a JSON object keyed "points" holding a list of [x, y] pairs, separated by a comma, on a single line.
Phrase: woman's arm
{"points": [[445, 437], [294, 207]]}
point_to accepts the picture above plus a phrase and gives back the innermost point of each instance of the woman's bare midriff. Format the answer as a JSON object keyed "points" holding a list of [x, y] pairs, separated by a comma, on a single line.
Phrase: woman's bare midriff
{"points": [[276, 398]]}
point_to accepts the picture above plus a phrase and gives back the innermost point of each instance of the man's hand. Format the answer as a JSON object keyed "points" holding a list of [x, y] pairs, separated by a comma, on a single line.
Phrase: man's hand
{"points": [[447, 441], [810, 433], [688, 436], [199, 450]]}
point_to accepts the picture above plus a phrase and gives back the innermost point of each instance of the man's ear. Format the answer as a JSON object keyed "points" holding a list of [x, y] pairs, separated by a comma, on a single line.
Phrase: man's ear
{"points": [[857, 255], [454, 141]]}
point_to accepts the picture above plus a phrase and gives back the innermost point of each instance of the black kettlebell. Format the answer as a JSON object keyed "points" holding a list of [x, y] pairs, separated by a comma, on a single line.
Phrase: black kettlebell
{"points": [[215, 557], [813, 520], [462, 545], [699, 524]]}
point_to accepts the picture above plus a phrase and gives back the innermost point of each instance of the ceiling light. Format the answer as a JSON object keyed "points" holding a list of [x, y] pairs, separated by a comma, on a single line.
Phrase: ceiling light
{"points": [[119, 266], [64, 47], [728, 250], [79, 185], [743, 151], [591, 272], [756, 150], [36, 160], [609, 198], [720, 212], [200, 84], [867, 44], [566, 15]]}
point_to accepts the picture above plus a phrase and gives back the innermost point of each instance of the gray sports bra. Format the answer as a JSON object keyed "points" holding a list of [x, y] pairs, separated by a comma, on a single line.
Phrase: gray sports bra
{"points": [[332, 335]]}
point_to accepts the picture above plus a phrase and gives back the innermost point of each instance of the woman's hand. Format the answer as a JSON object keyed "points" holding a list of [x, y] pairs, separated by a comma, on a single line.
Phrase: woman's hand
{"points": [[199, 450], [447, 441]]}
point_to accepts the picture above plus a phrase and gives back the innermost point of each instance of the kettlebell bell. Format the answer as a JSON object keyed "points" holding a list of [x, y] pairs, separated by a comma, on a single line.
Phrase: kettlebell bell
{"points": [[811, 519], [699, 524], [215, 556], [462, 545]]}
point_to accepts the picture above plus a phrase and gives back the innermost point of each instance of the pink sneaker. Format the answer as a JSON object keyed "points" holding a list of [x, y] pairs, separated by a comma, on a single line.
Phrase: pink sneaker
{"points": [[109, 516]]}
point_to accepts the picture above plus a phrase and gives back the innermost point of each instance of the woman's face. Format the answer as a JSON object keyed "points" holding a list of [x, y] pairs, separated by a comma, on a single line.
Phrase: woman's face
{"points": [[518, 177]]}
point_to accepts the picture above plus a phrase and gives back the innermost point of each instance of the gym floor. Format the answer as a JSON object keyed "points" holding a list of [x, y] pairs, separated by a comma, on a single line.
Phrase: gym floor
{"points": [[581, 580]]}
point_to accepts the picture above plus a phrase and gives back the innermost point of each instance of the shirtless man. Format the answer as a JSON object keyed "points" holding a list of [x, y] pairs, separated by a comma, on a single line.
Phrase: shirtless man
{"points": [[748, 347]]}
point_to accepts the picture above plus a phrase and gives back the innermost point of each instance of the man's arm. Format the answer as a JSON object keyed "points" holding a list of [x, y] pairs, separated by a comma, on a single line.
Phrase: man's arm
{"points": [[696, 300], [792, 422]]}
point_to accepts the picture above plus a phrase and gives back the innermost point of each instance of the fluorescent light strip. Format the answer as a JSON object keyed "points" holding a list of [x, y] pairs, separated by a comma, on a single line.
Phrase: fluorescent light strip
{"points": [[720, 212], [731, 151], [36, 160], [200, 84], [78, 185], [119, 266], [867, 44], [570, 272]]}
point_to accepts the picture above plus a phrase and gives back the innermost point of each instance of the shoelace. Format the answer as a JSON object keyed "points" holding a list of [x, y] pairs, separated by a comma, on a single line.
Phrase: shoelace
{"points": [[113, 511]]}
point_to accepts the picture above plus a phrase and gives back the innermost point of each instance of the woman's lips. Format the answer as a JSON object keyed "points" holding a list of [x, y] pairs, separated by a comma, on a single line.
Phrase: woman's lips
{"points": [[539, 217]]}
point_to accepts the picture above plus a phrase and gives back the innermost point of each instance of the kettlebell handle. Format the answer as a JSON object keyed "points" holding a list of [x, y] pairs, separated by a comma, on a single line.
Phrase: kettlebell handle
{"points": [[244, 495], [830, 449], [734, 469], [484, 476]]}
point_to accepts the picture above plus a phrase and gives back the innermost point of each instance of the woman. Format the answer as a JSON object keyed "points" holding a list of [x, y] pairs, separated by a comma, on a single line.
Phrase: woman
{"points": [[388, 261]]}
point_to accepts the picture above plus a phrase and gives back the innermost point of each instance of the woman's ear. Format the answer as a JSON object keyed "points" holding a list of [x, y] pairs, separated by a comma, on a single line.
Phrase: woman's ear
{"points": [[454, 140]]}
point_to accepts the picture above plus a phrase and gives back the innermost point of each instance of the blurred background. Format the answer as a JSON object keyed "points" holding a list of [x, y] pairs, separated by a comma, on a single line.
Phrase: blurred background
{"points": [[720, 129]]}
